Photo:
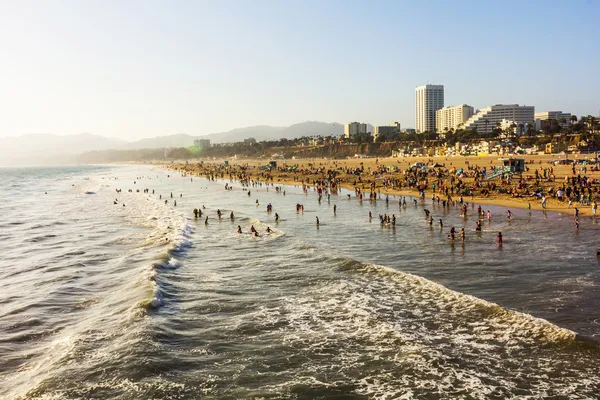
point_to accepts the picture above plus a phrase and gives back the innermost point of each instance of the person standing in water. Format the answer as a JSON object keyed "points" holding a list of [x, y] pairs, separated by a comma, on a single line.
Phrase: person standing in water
{"points": [[317, 221], [239, 229], [462, 234], [499, 239], [206, 220], [334, 209]]}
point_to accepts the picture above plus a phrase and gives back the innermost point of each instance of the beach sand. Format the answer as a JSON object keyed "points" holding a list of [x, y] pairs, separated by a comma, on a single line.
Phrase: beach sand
{"points": [[534, 162]]}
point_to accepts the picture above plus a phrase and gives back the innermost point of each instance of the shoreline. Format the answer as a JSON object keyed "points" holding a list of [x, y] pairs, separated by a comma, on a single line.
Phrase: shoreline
{"points": [[560, 173]]}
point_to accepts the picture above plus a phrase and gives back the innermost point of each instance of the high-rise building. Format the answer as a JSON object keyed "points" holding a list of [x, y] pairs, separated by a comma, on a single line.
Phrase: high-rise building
{"points": [[428, 99], [202, 143], [354, 128], [452, 117], [385, 130], [486, 119]]}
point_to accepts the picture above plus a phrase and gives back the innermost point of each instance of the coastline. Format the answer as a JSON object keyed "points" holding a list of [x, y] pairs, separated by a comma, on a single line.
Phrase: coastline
{"points": [[540, 162]]}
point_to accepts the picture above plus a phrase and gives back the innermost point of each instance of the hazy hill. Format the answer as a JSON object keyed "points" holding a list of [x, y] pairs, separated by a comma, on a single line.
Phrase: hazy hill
{"points": [[265, 132], [56, 149], [37, 149]]}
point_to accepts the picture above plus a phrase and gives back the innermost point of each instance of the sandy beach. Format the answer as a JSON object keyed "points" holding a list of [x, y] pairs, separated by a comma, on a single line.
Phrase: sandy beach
{"points": [[515, 196]]}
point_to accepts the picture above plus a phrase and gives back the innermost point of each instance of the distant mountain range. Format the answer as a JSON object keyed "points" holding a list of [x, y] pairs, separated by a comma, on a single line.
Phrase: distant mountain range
{"points": [[36, 149]]}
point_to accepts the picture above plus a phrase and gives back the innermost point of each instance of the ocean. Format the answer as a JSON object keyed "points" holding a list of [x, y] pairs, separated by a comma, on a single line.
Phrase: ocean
{"points": [[107, 294]]}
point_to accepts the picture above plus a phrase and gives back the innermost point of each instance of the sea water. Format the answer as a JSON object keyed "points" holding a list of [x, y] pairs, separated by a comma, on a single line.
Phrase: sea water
{"points": [[107, 294]]}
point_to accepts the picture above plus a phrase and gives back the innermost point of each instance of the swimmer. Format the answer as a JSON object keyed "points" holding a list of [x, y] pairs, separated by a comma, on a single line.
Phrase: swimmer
{"points": [[276, 217], [478, 227], [269, 229], [441, 224], [195, 213], [255, 233], [239, 229], [317, 220], [370, 216], [462, 234], [206, 220], [231, 216], [252, 229], [426, 212]]}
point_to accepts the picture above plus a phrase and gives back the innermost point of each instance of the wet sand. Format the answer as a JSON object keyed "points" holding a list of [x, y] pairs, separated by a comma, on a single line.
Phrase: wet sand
{"points": [[534, 162]]}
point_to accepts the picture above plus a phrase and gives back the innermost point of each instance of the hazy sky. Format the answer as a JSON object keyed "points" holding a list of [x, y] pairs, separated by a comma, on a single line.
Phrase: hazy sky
{"points": [[135, 69]]}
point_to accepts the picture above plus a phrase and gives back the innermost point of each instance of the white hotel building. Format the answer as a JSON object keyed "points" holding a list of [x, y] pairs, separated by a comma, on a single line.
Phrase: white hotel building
{"points": [[485, 120], [452, 117], [428, 99]]}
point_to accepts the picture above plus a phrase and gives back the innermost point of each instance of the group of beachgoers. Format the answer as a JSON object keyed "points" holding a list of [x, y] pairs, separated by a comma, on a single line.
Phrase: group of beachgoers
{"points": [[443, 191]]}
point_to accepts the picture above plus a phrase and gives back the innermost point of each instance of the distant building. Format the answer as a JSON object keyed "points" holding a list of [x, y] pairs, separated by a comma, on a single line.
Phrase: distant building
{"points": [[408, 131], [250, 140], [386, 130], [485, 120], [428, 99], [544, 119], [202, 143], [354, 128], [452, 117]]}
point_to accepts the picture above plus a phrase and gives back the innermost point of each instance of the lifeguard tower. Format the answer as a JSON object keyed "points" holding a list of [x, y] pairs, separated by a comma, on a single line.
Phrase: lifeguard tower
{"points": [[509, 167]]}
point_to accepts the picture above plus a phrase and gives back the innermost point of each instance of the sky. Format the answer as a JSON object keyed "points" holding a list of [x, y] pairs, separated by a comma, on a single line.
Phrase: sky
{"points": [[132, 69]]}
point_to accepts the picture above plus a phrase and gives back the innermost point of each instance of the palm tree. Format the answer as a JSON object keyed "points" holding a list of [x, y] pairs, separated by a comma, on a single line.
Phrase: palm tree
{"points": [[573, 119], [593, 123]]}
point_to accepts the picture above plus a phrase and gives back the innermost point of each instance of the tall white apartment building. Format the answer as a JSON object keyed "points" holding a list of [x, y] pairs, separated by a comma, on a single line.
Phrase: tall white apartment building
{"points": [[486, 119], [354, 128], [452, 117], [428, 99]]}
